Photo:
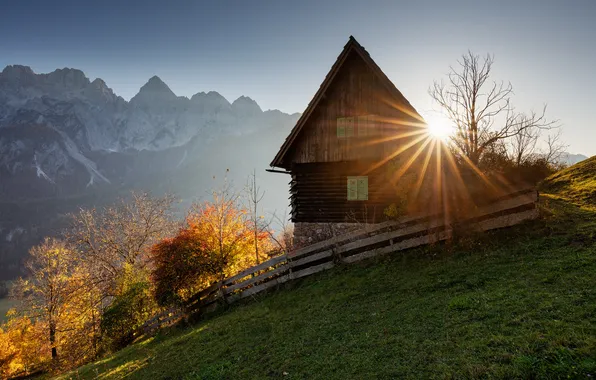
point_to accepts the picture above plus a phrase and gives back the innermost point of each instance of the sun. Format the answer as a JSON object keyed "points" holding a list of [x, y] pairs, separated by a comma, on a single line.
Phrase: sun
{"points": [[439, 127]]}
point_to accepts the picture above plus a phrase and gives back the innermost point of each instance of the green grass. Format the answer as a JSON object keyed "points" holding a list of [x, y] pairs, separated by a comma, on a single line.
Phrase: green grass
{"points": [[577, 184], [516, 303], [5, 305]]}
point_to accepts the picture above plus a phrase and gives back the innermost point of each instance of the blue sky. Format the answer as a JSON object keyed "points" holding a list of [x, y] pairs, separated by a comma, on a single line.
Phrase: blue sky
{"points": [[278, 52]]}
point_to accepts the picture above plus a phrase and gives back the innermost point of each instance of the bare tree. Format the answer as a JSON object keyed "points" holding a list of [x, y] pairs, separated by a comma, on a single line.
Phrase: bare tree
{"points": [[555, 149], [118, 237], [254, 197], [523, 145], [285, 237], [481, 109]]}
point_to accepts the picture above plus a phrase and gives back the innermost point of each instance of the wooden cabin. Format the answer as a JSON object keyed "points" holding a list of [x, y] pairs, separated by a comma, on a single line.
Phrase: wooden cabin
{"points": [[339, 151]]}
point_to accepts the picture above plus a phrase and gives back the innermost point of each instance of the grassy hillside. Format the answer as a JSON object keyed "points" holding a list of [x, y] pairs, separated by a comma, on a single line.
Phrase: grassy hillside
{"points": [[515, 303], [576, 184]]}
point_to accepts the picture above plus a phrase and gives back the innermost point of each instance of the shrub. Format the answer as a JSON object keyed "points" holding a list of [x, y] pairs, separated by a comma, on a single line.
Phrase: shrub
{"points": [[182, 266], [530, 171], [122, 321]]}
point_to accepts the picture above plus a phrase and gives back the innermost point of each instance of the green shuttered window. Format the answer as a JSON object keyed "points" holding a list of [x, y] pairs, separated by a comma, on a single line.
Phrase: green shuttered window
{"points": [[358, 188], [362, 188], [352, 188]]}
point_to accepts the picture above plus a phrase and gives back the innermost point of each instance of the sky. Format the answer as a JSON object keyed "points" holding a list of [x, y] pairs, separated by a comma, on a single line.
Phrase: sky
{"points": [[278, 52]]}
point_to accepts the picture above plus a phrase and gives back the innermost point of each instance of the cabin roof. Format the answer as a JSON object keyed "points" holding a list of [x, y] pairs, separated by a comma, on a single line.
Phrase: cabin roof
{"points": [[351, 46]]}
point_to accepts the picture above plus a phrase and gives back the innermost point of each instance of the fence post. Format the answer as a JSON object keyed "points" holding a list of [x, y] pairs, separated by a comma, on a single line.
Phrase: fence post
{"points": [[221, 292]]}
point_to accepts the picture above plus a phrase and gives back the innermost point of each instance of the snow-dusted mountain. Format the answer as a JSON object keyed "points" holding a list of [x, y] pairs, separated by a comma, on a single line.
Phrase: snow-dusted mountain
{"points": [[66, 141], [51, 124], [154, 119]]}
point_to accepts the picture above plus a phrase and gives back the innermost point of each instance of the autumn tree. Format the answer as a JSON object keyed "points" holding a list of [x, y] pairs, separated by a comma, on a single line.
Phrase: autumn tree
{"points": [[115, 241], [217, 241], [225, 229], [24, 347], [48, 288], [480, 108], [183, 265], [112, 246], [94, 281]]}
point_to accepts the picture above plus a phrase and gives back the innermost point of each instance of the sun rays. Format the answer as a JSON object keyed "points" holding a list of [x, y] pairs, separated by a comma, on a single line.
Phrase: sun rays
{"points": [[439, 127], [445, 181], [444, 178]]}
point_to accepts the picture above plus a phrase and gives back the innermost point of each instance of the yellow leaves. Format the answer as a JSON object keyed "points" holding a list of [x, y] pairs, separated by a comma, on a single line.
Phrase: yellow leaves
{"points": [[11, 313], [21, 352]]}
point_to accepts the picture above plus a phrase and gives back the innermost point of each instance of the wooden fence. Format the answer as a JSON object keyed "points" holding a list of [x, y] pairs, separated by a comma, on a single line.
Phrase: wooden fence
{"points": [[370, 241]]}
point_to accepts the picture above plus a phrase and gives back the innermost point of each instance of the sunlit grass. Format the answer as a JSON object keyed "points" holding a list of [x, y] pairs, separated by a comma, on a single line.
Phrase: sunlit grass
{"points": [[576, 183]]}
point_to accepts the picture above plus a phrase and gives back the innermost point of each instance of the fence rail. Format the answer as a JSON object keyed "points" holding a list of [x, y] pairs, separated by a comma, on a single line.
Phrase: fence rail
{"points": [[370, 241]]}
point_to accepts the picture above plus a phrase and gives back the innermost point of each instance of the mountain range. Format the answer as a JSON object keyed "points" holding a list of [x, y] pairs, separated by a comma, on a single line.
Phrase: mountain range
{"points": [[68, 142]]}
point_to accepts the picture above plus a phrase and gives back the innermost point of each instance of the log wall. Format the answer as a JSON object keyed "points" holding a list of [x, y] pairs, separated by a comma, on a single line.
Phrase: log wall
{"points": [[319, 194]]}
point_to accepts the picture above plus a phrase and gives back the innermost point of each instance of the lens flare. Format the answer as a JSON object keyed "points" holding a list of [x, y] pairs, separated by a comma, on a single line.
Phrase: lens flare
{"points": [[439, 127]]}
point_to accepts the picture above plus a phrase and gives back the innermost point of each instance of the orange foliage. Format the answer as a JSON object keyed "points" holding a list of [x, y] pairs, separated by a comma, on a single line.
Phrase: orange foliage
{"points": [[217, 242]]}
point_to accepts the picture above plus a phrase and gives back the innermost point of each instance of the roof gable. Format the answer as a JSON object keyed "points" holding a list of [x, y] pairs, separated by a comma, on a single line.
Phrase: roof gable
{"points": [[351, 46]]}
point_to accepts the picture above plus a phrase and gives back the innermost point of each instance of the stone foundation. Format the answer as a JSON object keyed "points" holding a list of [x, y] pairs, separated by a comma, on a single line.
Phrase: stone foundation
{"points": [[310, 233]]}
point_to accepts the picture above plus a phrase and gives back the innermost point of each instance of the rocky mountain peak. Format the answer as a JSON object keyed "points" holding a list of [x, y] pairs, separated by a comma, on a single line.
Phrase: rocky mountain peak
{"points": [[100, 84], [98, 89], [246, 105], [155, 90], [16, 71], [212, 99], [155, 84], [18, 75], [67, 77]]}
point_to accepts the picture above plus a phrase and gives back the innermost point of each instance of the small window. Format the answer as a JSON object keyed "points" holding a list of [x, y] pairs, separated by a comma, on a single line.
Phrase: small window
{"points": [[345, 127], [358, 188]]}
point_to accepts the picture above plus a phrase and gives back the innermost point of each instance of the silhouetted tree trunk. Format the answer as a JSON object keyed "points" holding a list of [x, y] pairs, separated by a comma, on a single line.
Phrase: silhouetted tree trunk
{"points": [[53, 340]]}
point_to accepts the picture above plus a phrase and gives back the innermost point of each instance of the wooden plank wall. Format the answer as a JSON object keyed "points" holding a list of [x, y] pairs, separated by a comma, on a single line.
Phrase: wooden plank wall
{"points": [[355, 91], [370, 241]]}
